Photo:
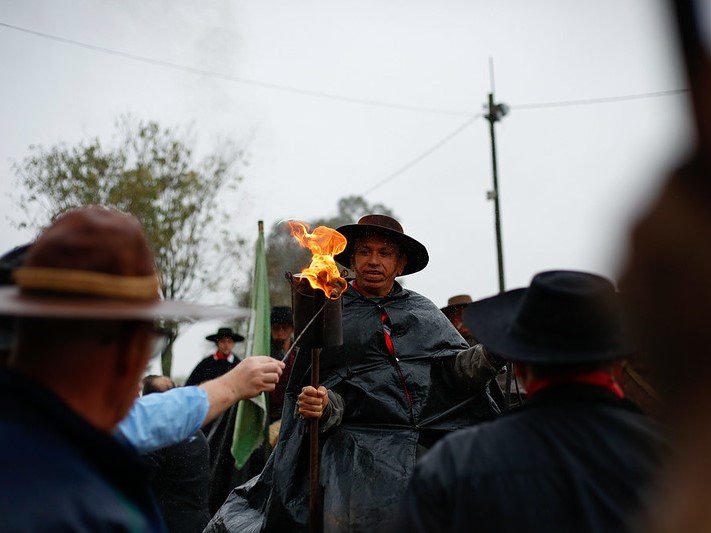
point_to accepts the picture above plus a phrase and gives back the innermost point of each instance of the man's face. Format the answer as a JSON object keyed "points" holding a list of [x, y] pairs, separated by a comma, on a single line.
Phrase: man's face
{"points": [[376, 261], [282, 332], [225, 345]]}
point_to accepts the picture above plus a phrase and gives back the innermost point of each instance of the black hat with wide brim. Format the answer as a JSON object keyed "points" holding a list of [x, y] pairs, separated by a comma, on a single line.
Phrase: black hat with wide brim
{"points": [[225, 333], [281, 314], [562, 318], [417, 256]]}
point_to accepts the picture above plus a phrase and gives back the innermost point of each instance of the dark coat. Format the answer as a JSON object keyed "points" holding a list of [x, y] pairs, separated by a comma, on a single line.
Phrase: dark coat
{"points": [[210, 368], [366, 460], [575, 458], [181, 482], [59, 473]]}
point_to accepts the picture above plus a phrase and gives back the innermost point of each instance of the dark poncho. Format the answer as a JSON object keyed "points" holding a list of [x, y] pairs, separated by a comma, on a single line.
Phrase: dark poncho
{"points": [[367, 460]]}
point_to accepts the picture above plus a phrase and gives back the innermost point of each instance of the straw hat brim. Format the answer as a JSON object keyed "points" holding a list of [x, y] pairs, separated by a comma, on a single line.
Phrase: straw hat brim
{"points": [[15, 303]]}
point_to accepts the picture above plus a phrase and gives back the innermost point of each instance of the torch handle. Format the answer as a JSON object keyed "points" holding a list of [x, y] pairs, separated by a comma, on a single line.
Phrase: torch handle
{"points": [[314, 514]]}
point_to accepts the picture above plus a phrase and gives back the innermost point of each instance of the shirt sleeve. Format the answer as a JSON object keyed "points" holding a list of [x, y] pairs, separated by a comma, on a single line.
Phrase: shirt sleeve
{"points": [[163, 419]]}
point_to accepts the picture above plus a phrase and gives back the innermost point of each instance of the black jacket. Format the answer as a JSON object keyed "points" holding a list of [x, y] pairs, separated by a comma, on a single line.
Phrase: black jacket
{"points": [[181, 482], [394, 406], [59, 473], [210, 368], [573, 459]]}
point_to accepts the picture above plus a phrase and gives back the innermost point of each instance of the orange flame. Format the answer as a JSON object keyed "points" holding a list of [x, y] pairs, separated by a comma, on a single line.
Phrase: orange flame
{"points": [[324, 243]]}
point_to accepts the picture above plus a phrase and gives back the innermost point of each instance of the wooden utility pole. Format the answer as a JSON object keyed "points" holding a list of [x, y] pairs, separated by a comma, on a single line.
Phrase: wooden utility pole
{"points": [[496, 112]]}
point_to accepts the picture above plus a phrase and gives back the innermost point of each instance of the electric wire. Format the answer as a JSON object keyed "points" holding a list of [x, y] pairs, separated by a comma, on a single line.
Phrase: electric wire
{"points": [[326, 95], [239, 79], [444, 140], [602, 100]]}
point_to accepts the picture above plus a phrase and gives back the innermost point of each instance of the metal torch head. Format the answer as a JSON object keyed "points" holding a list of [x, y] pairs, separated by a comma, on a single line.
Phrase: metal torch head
{"points": [[327, 328]]}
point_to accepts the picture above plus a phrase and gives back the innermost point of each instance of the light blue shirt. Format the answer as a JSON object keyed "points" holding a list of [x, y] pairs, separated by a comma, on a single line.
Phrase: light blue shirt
{"points": [[163, 419]]}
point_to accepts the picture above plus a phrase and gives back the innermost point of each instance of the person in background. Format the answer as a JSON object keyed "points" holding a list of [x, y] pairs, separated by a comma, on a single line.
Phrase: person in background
{"points": [[282, 328], [453, 312], [578, 456], [282, 331], [223, 360]]}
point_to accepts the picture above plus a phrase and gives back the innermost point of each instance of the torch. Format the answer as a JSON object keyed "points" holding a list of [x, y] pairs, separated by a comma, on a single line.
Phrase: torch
{"points": [[316, 306]]}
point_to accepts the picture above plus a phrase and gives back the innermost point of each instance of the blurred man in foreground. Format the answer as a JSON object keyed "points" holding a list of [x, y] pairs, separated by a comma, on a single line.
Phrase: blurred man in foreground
{"points": [[85, 302], [577, 456]]}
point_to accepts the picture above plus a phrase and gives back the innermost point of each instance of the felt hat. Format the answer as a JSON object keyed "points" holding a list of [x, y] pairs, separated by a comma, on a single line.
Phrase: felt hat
{"points": [[454, 302], [281, 315], [225, 332], [563, 317], [417, 256], [95, 263]]}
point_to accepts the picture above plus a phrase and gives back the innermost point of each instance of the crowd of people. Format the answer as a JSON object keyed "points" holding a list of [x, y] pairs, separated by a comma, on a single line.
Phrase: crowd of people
{"points": [[417, 431]]}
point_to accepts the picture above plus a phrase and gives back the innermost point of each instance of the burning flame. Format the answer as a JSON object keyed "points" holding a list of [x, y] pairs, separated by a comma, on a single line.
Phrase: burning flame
{"points": [[324, 243]]}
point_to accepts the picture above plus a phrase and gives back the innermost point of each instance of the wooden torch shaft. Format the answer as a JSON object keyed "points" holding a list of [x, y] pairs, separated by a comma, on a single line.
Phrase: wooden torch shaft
{"points": [[314, 515]]}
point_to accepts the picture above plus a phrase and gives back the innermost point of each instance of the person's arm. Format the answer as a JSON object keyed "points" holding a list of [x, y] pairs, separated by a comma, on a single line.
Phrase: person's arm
{"points": [[163, 419], [472, 369], [255, 374], [159, 420]]}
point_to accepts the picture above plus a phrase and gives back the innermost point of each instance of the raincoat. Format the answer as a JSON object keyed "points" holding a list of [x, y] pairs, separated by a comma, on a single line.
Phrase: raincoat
{"points": [[394, 408]]}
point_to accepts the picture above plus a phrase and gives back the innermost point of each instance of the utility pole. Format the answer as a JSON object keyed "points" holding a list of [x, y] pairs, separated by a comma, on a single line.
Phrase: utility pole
{"points": [[496, 112]]}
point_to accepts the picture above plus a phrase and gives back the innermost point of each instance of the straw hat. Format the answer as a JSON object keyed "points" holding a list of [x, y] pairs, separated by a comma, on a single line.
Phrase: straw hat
{"points": [[95, 263]]}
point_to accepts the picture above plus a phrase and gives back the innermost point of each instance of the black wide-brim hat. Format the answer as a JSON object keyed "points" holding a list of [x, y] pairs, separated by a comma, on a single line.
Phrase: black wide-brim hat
{"points": [[223, 333], [562, 318], [281, 314], [417, 256]]}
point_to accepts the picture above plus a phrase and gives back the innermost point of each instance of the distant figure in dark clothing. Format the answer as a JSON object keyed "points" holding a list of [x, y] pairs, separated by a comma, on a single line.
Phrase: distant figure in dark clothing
{"points": [[181, 474], [453, 312], [221, 362], [282, 327], [577, 456]]}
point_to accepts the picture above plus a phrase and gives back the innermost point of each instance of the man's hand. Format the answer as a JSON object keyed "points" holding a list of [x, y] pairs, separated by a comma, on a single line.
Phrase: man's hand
{"points": [[255, 374], [312, 402]]}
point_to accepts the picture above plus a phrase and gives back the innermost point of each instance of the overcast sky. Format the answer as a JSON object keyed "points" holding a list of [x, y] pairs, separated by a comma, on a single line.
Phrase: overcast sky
{"points": [[571, 177]]}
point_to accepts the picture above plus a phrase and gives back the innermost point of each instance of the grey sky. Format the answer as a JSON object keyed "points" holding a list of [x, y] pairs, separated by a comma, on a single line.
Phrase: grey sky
{"points": [[571, 177]]}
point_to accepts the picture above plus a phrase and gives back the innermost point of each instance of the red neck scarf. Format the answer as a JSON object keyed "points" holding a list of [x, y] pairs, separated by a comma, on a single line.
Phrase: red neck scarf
{"points": [[219, 356], [599, 378]]}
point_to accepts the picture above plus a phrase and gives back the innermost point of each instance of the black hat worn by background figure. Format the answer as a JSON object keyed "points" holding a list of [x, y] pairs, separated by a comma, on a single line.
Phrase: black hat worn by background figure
{"points": [[563, 317], [281, 314], [225, 333]]}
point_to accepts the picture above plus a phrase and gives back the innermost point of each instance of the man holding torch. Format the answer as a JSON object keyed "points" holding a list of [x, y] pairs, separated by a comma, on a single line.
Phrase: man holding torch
{"points": [[403, 378]]}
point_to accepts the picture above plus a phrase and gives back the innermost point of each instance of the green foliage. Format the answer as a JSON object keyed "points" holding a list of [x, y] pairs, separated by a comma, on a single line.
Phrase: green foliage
{"points": [[153, 173], [285, 255]]}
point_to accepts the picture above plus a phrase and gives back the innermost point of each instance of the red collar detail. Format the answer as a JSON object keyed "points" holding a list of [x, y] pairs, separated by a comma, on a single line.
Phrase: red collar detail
{"points": [[599, 378], [219, 356]]}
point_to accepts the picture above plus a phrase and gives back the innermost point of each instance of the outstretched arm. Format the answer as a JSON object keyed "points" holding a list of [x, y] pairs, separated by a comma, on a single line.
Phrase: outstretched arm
{"points": [[472, 369], [159, 420]]}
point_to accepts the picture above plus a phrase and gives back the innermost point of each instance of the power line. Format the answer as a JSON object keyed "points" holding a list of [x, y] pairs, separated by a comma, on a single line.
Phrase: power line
{"points": [[603, 100], [326, 95], [423, 155], [238, 79]]}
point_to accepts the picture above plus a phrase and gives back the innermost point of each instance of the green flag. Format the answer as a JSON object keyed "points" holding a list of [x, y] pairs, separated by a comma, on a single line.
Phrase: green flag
{"points": [[252, 414]]}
